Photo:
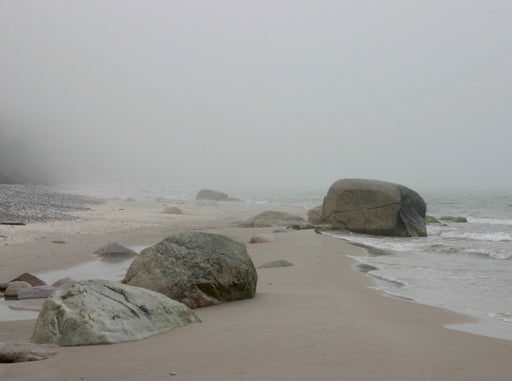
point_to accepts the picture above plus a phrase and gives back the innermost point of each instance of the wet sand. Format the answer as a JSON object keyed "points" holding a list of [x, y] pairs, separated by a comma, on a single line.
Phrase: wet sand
{"points": [[317, 320]]}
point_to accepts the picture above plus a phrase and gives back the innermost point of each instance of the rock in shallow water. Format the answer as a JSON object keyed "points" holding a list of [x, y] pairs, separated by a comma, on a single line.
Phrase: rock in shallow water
{"points": [[105, 312]]}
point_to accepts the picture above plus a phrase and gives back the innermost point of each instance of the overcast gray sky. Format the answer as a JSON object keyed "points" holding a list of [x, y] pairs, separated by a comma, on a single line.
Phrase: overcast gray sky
{"points": [[262, 94]]}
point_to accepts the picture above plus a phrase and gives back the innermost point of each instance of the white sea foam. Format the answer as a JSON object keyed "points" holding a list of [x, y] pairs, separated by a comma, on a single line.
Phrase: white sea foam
{"points": [[490, 221], [486, 236]]}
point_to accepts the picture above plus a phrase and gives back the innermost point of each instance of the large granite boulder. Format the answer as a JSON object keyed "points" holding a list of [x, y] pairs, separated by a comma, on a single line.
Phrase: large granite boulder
{"points": [[374, 207], [104, 312], [272, 218], [208, 194], [195, 268]]}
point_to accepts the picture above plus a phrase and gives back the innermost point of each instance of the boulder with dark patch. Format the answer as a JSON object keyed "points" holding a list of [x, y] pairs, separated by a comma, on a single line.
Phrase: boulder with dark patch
{"points": [[374, 207], [195, 268], [104, 312]]}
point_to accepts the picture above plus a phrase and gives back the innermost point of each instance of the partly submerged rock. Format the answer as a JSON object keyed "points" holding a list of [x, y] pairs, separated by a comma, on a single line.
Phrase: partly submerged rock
{"points": [[453, 219], [195, 268], [115, 249], [374, 207], [272, 218], [277, 263], [105, 312], [431, 220]]}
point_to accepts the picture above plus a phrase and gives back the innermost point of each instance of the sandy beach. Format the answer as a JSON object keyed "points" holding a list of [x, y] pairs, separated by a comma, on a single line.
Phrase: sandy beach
{"points": [[317, 320]]}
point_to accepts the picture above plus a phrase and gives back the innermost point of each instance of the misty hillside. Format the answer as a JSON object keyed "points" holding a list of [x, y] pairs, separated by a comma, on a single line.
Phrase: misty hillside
{"points": [[17, 166]]}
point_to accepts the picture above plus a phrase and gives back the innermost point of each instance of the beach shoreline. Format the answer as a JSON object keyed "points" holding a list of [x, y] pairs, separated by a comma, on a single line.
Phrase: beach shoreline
{"points": [[319, 319]]}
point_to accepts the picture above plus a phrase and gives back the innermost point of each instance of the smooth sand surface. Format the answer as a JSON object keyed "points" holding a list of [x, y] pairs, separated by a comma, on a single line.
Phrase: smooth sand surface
{"points": [[317, 320]]}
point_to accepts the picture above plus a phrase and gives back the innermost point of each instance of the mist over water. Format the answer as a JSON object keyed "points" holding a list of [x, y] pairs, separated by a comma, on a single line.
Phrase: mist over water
{"points": [[266, 95]]}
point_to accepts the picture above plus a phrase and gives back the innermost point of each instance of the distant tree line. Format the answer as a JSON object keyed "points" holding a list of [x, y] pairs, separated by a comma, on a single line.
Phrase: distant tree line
{"points": [[17, 166]]}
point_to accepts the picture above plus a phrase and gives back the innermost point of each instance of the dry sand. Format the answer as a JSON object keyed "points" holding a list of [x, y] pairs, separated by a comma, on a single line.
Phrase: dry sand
{"points": [[317, 320]]}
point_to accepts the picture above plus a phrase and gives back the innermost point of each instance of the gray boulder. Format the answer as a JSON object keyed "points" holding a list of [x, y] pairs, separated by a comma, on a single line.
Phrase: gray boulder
{"points": [[374, 207], [104, 312], [272, 218], [208, 194], [277, 263], [115, 249], [195, 268]]}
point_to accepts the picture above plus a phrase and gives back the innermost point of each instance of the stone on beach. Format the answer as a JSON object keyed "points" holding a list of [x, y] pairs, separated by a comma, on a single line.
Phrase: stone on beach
{"points": [[62, 281], [13, 353], [104, 312], [38, 292], [172, 210], [14, 288], [198, 269], [208, 194], [30, 279], [374, 207], [272, 218], [262, 238], [277, 263], [315, 215], [115, 249]]}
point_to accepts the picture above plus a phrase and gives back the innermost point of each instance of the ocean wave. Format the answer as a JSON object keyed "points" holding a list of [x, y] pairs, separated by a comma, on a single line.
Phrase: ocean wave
{"points": [[494, 237], [490, 221]]}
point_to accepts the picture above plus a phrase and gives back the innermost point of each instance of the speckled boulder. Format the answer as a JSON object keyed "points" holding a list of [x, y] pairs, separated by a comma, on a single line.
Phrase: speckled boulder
{"points": [[195, 268]]}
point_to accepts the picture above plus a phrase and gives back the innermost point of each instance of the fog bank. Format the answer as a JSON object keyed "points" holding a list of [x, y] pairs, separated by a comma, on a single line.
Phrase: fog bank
{"points": [[281, 94]]}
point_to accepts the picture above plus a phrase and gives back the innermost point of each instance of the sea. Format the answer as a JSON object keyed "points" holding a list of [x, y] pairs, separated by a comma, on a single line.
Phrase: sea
{"points": [[464, 267]]}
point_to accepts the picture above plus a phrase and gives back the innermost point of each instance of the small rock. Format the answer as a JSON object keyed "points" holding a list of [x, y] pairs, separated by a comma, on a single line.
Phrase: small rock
{"points": [[364, 267], [62, 281], [300, 225], [3, 285], [59, 241], [115, 249], [12, 291], [12, 353], [31, 279], [262, 238], [39, 292], [172, 210], [282, 230], [3, 237], [278, 263]]}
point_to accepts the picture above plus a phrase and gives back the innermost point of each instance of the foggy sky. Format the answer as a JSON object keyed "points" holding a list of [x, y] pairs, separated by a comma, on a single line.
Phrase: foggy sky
{"points": [[266, 94]]}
